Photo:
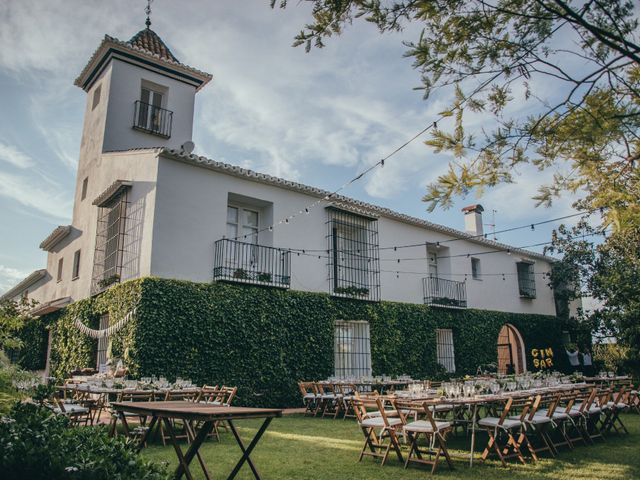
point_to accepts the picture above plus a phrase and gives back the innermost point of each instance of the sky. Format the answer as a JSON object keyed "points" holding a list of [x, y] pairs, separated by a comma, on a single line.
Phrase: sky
{"points": [[318, 118]]}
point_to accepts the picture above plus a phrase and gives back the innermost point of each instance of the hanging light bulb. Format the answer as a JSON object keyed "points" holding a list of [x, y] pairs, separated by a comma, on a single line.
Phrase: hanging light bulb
{"points": [[437, 244], [533, 227], [306, 210], [271, 228]]}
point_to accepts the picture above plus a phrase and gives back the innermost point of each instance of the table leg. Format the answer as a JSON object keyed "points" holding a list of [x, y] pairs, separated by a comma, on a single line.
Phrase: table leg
{"points": [[192, 451], [473, 433], [246, 452]]}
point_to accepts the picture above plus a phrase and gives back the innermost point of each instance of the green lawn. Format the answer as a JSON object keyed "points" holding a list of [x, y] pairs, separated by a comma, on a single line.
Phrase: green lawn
{"points": [[295, 447]]}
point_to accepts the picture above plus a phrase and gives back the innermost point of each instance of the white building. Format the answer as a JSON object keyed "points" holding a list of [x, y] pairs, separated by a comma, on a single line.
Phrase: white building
{"points": [[145, 206]]}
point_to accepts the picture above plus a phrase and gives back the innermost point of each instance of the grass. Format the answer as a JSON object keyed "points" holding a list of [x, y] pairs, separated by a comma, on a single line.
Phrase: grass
{"points": [[297, 447]]}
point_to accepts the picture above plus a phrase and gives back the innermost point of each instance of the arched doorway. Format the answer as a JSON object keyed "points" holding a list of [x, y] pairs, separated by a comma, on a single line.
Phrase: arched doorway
{"points": [[511, 356]]}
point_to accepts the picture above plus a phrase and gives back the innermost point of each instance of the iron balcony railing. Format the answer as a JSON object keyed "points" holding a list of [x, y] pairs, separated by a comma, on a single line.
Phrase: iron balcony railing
{"points": [[152, 119], [527, 287], [249, 263], [444, 293]]}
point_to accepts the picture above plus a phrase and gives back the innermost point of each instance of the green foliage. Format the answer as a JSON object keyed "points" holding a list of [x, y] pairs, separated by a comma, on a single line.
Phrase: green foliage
{"points": [[33, 335], [610, 273], [265, 340], [9, 374], [505, 57], [70, 349], [37, 444], [610, 356]]}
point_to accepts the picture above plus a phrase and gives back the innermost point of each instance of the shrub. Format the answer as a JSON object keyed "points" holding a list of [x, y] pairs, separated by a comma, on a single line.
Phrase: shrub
{"points": [[37, 444]]}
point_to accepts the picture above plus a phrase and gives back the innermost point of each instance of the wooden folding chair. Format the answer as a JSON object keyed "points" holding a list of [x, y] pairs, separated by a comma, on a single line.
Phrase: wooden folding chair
{"points": [[76, 413], [309, 397], [181, 429], [435, 432], [380, 431], [348, 393], [131, 396], [559, 418], [499, 427], [535, 428], [330, 403], [619, 403], [581, 415]]}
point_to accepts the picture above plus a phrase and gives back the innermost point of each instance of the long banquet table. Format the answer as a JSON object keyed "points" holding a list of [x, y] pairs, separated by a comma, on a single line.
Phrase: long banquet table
{"points": [[475, 402]]}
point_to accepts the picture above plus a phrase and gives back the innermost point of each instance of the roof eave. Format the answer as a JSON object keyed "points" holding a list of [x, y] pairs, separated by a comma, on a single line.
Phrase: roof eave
{"points": [[97, 63], [251, 175], [55, 237], [24, 284]]}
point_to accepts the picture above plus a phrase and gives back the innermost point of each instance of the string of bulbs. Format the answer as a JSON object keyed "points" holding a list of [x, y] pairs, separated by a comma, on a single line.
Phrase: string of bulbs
{"points": [[381, 162]]}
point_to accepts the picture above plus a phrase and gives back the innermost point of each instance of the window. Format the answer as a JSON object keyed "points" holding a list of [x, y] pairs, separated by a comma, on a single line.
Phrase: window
{"points": [[96, 97], [110, 241], [59, 275], [444, 349], [76, 265], [103, 344], [476, 273], [352, 349], [526, 280], [150, 113], [85, 183], [354, 264], [432, 256], [242, 224]]}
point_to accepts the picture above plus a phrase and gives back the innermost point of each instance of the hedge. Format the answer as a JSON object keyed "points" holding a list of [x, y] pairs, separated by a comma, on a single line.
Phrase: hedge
{"points": [[265, 340]]}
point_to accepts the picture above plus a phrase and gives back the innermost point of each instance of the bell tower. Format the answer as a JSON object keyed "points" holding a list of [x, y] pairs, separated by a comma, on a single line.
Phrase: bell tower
{"points": [[139, 95]]}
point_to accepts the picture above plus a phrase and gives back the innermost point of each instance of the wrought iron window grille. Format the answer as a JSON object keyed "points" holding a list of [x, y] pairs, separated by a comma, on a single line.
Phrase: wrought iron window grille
{"points": [[110, 244], [352, 349], [441, 292], [152, 119], [243, 262], [354, 257], [526, 280]]}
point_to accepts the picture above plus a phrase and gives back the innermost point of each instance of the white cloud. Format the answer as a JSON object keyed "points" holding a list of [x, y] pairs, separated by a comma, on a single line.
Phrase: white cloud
{"points": [[54, 202], [15, 157], [10, 277]]}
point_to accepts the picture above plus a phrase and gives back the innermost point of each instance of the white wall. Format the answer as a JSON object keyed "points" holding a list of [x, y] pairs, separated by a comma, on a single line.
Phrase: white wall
{"points": [[126, 81], [141, 167], [190, 216]]}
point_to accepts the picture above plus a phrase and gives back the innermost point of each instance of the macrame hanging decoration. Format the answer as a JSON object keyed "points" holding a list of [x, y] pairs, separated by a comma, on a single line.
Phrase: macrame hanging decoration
{"points": [[105, 332]]}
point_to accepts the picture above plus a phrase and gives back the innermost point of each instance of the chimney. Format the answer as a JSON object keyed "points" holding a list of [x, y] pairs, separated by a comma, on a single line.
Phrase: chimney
{"points": [[473, 219]]}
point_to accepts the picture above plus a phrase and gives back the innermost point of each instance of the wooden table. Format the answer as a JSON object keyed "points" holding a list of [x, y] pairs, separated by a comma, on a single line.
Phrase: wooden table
{"points": [[192, 413], [475, 402]]}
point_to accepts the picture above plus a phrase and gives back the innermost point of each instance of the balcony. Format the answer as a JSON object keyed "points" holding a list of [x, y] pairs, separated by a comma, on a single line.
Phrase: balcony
{"points": [[152, 119], [527, 287], [439, 292], [242, 262]]}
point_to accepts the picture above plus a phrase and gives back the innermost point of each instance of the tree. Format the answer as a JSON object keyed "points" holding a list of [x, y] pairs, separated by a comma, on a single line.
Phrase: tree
{"points": [[13, 314], [503, 54], [610, 273]]}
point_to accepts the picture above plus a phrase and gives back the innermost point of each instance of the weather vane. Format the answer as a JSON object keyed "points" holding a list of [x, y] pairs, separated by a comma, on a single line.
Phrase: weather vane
{"points": [[147, 10]]}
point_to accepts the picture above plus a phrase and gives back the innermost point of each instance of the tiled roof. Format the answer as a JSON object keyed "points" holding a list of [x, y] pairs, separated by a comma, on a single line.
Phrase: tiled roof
{"points": [[145, 46], [149, 40], [112, 191], [24, 284], [54, 237], [353, 204]]}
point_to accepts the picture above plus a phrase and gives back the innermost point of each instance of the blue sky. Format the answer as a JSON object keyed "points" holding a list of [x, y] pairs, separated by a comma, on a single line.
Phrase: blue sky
{"points": [[318, 118]]}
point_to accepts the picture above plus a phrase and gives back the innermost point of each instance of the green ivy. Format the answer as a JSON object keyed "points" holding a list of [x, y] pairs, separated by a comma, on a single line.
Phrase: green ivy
{"points": [[264, 340], [32, 354]]}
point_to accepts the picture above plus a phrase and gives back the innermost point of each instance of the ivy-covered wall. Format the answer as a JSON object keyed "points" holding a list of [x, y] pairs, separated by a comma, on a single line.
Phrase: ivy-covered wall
{"points": [[265, 340], [32, 355]]}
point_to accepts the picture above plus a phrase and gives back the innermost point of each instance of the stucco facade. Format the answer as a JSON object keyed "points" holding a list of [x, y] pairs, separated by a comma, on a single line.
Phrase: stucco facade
{"points": [[176, 206]]}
